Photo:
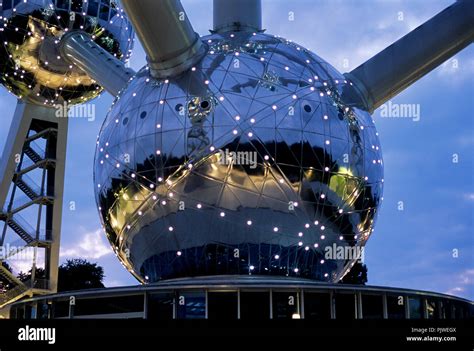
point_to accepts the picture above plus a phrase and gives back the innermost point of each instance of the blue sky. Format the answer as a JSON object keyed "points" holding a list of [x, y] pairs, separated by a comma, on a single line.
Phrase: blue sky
{"points": [[412, 248]]}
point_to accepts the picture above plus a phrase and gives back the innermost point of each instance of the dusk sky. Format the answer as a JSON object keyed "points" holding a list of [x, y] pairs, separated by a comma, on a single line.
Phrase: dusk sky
{"points": [[410, 248]]}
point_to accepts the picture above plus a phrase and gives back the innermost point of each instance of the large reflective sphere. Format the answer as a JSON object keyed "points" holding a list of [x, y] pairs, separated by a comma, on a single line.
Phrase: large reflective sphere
{"points": [[249, 163], [30, 65]]}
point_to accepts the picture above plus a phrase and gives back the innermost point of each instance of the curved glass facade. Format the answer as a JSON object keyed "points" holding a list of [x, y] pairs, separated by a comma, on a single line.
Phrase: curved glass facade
{"points": [[249, 163], [248, 299]]}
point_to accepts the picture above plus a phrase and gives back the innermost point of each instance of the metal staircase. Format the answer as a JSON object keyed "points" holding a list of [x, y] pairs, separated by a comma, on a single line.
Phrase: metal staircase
{"points": [[18, 291], [32, 154], [22, 233], [28, 190], [7, 275], [15, 248], [38, 163]]}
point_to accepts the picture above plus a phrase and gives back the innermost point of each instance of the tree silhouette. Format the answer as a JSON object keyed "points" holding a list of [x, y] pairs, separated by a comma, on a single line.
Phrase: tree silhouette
{"points": [[4, 283], [79, 274], [75, 274], [357, 275]]}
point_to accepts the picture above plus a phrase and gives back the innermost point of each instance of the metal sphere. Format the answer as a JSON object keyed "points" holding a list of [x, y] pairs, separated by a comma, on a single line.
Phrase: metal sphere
{"points": [[30, 64], [249, 163]]}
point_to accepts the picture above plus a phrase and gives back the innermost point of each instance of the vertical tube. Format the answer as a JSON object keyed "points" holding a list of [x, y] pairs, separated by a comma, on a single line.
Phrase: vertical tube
{"points": [[237, 15], [166, 34]]}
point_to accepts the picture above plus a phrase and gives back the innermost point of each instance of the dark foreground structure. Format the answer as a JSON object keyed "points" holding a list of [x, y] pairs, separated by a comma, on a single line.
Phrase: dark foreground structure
{"points": [[245, 297]]}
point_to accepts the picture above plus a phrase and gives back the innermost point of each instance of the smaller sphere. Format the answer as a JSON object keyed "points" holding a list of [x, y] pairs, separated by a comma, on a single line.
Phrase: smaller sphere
{"points": [[30, 31]]}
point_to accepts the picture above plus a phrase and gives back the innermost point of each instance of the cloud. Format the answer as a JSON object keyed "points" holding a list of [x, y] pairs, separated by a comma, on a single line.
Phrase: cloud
{"points": [[346, 44], [465, 140], [23, 261], [91, 246], [457, 69], [462, 282], [469, 196], [110, 283]]}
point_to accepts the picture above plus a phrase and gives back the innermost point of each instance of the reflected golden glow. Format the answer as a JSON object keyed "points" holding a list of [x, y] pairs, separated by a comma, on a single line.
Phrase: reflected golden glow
{"points": [[31, 64], [346, 186], [128, 202], [26, 56]]}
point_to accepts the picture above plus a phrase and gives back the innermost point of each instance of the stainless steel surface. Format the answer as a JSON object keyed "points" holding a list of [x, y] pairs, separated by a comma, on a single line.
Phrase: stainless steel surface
{"points": [[31, 66], [173, 200], [413, 56], [166, 34], [79, 49], [237, 15]]}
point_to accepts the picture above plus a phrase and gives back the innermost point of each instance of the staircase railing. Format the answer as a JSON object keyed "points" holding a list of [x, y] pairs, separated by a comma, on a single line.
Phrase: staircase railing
{"points": [[12, 294]]}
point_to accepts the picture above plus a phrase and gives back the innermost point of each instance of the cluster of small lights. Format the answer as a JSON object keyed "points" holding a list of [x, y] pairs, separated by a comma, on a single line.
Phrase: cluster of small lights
{"points": [[47, 81]]}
